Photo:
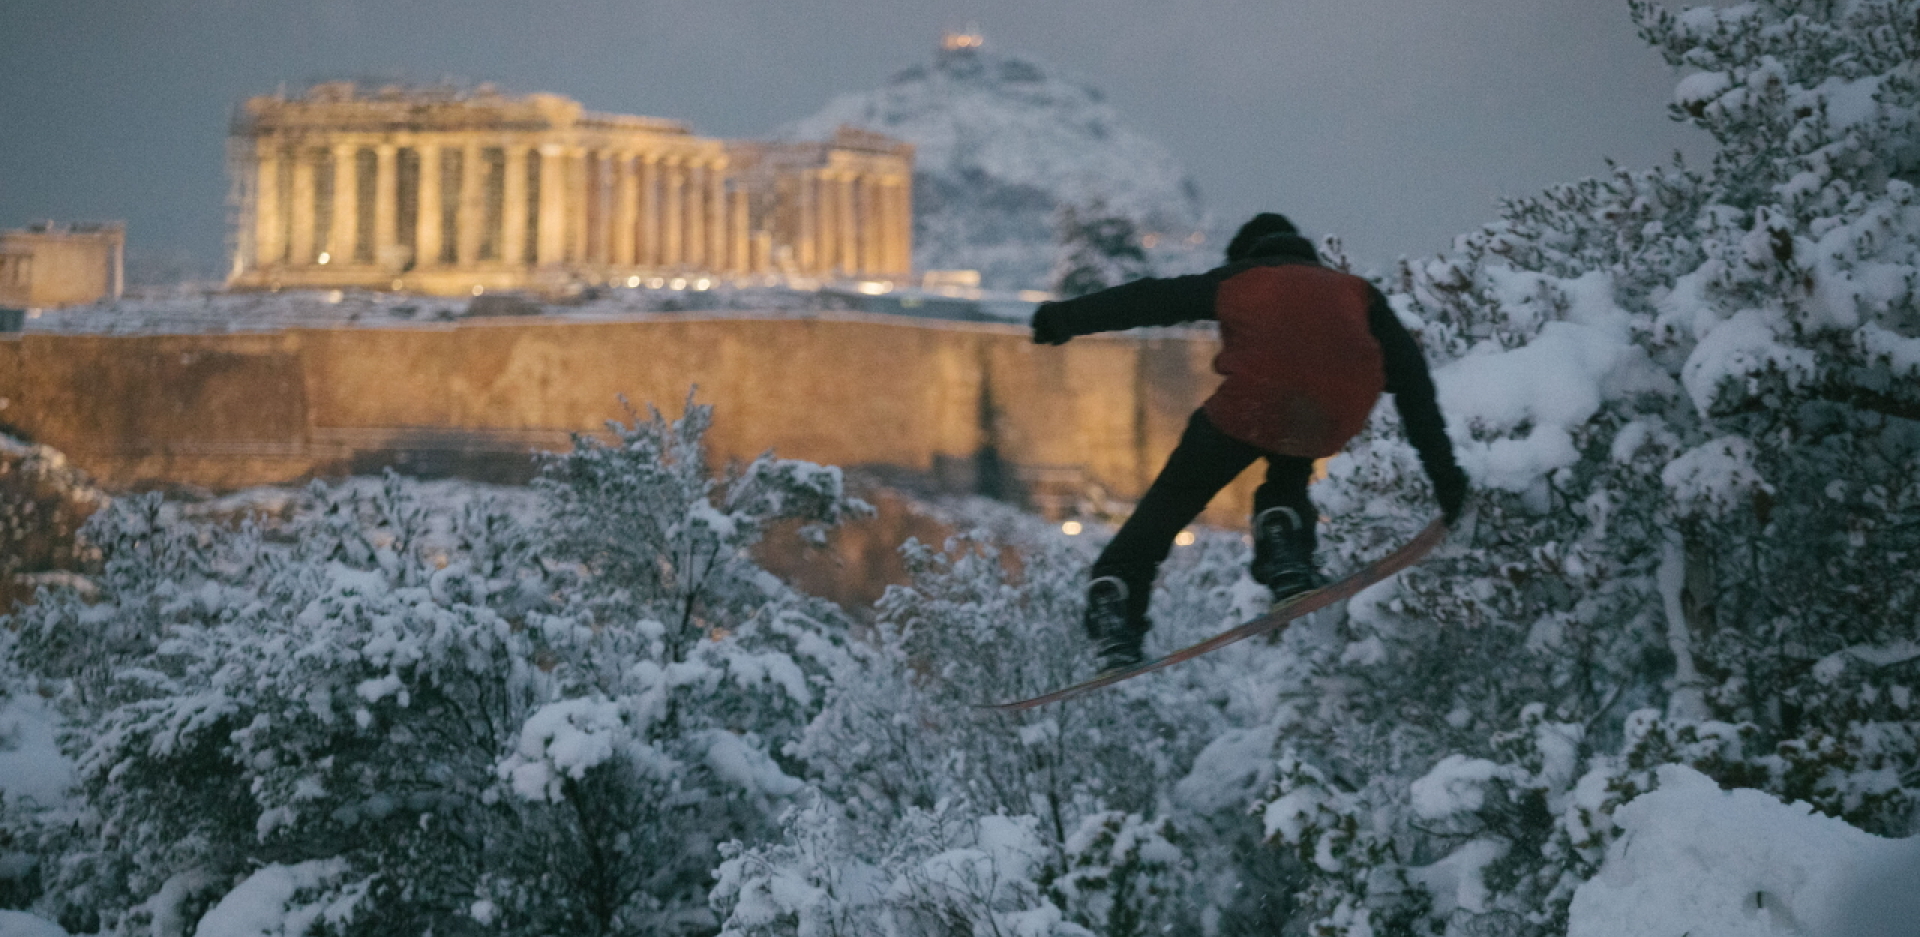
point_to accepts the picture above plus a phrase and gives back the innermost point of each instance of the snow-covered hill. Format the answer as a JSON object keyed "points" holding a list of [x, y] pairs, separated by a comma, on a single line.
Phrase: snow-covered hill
{"points": [[1001, 142]]}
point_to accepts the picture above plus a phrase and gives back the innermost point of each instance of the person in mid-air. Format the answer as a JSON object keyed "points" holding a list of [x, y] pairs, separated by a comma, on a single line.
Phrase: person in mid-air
{"points": [[1306, 351]]}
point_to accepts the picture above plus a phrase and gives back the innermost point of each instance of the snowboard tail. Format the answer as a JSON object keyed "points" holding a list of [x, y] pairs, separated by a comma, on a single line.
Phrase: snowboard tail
{"points": [[1291, 608]]}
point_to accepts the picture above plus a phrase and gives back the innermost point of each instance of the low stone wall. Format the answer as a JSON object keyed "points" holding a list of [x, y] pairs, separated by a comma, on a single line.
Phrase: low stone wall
{"points": [[946, 406]]}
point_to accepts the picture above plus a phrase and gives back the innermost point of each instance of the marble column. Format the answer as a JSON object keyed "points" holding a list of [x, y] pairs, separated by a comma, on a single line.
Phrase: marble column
{"points": [[868, 224], [426, 226], [269, 224], [576, 214], [468, 221], [513, 213], [826, 224], [849, 226], [903, 224], [588, 210], [760, 255], [883, 204], [693, 238], [739, 239], [550, 241], [719, 216], [605, 186], [625, 210], [346, 204], [386, 207], [672, 213], [300, 214], [646, 231], [806, 226]]}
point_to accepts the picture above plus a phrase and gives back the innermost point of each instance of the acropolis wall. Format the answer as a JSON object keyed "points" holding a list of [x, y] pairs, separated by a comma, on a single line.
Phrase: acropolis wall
{"points": [[959, 407], [450, 192]]}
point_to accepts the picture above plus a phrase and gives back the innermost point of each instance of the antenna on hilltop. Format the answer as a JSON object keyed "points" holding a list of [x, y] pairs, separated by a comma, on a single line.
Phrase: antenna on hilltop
{"points": [[963, 39]]}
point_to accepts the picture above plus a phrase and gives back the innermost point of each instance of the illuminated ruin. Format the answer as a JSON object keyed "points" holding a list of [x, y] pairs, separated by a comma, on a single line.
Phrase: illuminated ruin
{"points": [[452, 192]]}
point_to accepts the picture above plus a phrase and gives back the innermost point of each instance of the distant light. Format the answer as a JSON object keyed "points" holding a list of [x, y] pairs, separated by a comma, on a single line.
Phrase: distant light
{"points": [[702, 283], [677, 283], [874, 287], [1184, 539], [397, 286], [1034, 296], [656, 283], [336, 296], [478, 289], [34, 313], [1149, 241], [1071, 528], [323, 258], [633, 282], [1197, 237]]}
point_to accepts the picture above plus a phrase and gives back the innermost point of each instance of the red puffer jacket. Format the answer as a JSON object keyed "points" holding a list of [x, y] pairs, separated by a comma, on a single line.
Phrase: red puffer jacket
{"points": [[1302, 369]]}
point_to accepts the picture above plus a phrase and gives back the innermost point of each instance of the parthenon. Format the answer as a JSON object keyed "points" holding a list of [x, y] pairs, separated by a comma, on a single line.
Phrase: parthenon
{"points": [[448, 192]]}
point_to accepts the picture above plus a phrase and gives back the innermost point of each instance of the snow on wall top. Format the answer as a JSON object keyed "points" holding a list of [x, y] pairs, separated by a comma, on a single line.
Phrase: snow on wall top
{"points": [[1000, 141]]}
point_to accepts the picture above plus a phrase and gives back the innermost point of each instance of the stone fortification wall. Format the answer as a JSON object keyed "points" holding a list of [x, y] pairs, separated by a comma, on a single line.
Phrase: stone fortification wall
{"points": [[953, 407]]}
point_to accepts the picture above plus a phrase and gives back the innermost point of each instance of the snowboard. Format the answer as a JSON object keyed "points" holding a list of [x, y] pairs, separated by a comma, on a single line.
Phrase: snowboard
{"points": [[1286, 611]]}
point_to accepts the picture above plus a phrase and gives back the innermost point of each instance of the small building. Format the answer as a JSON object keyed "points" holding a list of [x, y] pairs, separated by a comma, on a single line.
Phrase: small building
{"points": [[451, 191], [43, 266]]}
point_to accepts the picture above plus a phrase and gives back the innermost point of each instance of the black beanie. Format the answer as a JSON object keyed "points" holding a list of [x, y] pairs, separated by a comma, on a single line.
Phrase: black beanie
{"points": [[1262, 225]]}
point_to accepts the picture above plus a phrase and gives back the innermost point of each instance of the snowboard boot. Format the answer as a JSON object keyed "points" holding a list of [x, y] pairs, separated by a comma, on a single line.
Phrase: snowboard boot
{"points": [[1283, 553], [1116, 631]]}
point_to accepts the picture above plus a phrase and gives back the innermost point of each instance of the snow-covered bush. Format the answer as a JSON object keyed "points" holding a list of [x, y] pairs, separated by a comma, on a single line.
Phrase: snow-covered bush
{"points": [[239, 705], [669, 732], [390, 716], [944, 870], [1687, 398], [909, 768], [903, 737]]}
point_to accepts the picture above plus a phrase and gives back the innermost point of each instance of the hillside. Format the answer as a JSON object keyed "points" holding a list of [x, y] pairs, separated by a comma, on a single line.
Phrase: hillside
{"points": [[1001, 142]]}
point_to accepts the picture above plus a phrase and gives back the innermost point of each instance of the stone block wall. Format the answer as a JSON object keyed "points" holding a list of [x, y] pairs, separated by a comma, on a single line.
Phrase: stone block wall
{"points": [[954, 407]]}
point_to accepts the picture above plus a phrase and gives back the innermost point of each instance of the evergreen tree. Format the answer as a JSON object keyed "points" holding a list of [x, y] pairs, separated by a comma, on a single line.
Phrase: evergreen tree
{"points": [[401, 717], [1680, 555], [1095, 249]]}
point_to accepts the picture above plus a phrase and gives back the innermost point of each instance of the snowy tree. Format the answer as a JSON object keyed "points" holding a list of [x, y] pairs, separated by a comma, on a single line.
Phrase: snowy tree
{"points": [[1686, 396], [394, 716], [1095, 248], [243, 710], [668, 736], [908, 768]]}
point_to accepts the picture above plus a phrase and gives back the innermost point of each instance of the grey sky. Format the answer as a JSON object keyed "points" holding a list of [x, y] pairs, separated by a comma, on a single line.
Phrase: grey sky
{"points": [[1396, 123]]}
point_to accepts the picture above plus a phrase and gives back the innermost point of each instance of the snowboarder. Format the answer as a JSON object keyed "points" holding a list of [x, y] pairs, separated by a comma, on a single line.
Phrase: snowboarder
{"points": [[1306, 351]]}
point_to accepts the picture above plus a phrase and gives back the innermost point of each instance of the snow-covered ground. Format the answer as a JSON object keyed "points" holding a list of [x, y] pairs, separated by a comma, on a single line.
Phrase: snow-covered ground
{"points": [[206, 308], [1694, 859]]}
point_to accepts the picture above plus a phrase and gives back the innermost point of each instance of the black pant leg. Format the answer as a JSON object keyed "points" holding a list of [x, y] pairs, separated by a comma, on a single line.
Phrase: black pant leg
{"points": [[1205, 461], [1286, 486]]}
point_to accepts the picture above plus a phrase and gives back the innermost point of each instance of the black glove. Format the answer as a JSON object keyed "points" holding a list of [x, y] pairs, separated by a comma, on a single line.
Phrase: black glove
{"points": [[1450, 487], [1047, 327]]}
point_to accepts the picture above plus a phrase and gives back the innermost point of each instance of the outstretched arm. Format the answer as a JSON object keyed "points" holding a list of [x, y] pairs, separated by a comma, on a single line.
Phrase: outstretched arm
{"points": [[1411, 385], [1153, 301]]}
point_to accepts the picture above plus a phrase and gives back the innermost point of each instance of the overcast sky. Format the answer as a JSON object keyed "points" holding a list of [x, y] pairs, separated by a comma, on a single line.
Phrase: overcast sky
{"points": [[1395, 123]]}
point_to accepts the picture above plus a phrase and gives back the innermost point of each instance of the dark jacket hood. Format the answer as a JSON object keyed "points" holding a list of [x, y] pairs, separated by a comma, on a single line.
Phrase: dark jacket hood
{"points": [[1287, 246]]}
